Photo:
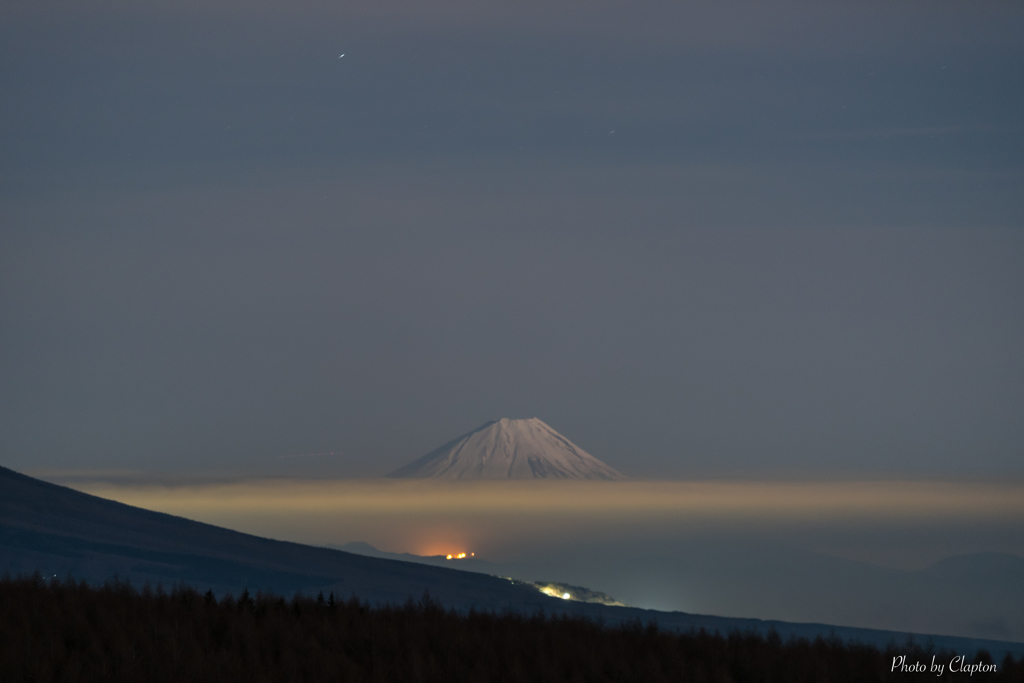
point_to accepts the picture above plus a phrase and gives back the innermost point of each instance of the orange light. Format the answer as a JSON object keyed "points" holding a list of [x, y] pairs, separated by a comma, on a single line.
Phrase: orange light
{"points": [[448, 558]]}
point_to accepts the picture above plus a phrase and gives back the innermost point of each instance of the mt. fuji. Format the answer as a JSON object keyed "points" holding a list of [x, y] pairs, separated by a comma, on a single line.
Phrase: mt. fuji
{"points": [[508, 449]]}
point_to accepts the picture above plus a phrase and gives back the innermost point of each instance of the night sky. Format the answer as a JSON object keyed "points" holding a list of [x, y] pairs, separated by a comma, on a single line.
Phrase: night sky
{"points": [[768, 240]]}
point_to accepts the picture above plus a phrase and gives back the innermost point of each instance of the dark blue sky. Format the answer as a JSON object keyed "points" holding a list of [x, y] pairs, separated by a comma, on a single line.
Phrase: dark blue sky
{"points": [[713, 240]]}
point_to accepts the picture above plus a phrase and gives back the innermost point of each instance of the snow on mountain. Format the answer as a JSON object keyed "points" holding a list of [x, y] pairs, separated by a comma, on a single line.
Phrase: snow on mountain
{"points": [[508, 449]]}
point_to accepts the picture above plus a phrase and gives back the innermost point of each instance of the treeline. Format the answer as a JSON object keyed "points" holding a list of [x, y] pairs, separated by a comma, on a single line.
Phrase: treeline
{"points": [[68, 631]]}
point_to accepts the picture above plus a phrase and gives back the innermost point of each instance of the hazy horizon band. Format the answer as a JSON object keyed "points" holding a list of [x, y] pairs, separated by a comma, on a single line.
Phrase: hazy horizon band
{"points": [[867, 499], [900, 523]]}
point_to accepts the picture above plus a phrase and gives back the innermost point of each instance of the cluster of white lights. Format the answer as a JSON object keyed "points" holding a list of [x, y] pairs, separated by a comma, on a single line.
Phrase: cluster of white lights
{"points": [[555, 592]]}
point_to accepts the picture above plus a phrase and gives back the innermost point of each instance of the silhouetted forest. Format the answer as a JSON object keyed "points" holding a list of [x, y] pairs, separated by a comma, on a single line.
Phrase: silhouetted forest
{"points": [[68, 631]]}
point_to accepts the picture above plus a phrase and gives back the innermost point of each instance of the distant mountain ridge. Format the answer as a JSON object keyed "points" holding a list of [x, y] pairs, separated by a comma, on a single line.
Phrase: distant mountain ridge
{"points": [[560, 590], [509, 449]]}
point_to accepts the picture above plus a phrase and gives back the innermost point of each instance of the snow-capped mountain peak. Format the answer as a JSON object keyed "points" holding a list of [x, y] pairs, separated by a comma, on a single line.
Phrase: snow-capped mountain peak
{"points": [[509, 449]]}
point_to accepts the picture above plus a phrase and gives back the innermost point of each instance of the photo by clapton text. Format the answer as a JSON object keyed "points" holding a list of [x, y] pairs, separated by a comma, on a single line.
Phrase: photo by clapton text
{"points": [[957, 664]]}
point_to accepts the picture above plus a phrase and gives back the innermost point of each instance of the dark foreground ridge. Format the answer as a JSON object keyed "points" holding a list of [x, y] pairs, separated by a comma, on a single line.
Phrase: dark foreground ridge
{"points": [[62, 532], [68, 631]]}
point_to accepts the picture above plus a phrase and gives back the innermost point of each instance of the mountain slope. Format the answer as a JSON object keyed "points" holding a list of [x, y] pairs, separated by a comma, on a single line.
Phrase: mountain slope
{"points": [[509, 449], [59, 531]]}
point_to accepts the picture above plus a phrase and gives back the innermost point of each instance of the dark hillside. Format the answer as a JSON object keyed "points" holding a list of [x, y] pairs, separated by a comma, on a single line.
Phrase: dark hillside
{"points": [[62, 532], [57, 530]]}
